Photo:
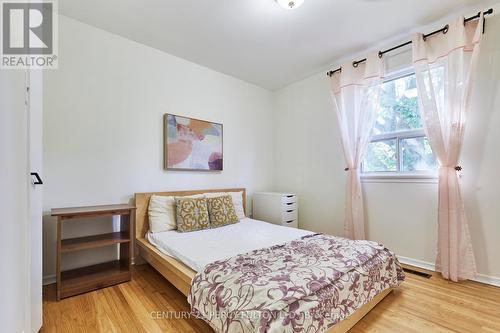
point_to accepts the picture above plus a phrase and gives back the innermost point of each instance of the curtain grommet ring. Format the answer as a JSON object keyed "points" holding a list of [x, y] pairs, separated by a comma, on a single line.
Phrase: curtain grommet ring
{"points": [[458, 168], [355, 64], [346, 169], [446, 28]]}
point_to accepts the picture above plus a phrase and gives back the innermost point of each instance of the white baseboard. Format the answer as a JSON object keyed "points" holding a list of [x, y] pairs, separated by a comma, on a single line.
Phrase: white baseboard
{"points": [[486, 279], [49, 279], [491, 280], [417, 263]]}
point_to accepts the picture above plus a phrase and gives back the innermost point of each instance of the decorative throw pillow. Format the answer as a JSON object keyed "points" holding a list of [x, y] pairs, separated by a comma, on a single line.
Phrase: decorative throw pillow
{"points": [[221, 211], [192, 214], [161, 212], [237, 198]]}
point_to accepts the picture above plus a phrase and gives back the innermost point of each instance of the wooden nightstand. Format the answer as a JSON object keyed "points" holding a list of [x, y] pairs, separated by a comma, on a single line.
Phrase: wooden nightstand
{"points": [[84, 279]]}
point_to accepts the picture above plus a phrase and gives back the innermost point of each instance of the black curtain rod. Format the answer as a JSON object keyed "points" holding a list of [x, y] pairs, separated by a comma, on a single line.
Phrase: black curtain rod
{"points": [[443, 30]]}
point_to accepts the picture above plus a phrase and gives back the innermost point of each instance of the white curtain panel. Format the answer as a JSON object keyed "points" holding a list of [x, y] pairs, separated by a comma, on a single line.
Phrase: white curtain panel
{"points": [[355, 92], [445, 67]]}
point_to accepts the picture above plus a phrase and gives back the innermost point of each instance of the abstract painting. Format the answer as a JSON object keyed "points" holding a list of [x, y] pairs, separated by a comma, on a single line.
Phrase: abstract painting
{"points": [[192, 144]]}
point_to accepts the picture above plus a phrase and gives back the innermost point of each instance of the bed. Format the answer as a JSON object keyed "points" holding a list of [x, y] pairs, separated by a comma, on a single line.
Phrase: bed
{"points": [[181, 259]]}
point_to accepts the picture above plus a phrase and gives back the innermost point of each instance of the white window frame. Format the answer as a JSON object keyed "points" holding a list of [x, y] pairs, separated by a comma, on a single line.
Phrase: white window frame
{"points": [[399, 176]]}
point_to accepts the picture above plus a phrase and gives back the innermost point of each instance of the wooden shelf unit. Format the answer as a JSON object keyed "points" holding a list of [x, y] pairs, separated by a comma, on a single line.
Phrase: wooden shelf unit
{"points": [[93, 277], [90, 242], [80, 280]]}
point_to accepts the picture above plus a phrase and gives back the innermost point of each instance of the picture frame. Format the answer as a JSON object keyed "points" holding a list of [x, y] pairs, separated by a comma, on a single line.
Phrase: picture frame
{"points": [[191, 144]]}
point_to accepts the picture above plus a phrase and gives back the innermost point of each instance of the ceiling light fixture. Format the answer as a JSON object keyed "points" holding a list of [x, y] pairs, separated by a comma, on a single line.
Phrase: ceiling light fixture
{"points": [[290, 4]]}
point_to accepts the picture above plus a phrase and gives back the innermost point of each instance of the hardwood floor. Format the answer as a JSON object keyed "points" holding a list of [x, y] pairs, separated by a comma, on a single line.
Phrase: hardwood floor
{"points": [[145, 303]]}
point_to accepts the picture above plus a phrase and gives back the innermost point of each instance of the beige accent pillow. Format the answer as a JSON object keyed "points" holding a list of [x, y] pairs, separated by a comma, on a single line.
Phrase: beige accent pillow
{"points": [[237, 198], [192, 214], [161, 212], [221, 211]]}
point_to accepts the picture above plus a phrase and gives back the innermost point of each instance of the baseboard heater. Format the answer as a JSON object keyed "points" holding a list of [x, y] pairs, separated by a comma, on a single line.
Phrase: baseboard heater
{"points": [[414, 272]]}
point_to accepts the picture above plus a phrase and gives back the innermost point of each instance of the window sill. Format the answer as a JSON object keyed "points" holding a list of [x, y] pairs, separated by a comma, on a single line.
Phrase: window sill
{"points": [[430, 178]]}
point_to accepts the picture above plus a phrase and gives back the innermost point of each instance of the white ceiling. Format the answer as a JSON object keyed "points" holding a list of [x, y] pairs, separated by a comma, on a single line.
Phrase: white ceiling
{"points": [[256, 40]]}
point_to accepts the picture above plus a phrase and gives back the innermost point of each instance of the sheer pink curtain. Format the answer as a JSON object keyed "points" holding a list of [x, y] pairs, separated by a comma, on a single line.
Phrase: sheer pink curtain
{"points": [[355, 95], [445, 66]]}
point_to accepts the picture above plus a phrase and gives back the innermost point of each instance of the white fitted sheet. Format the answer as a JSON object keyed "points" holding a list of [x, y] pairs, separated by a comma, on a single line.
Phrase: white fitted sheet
{"points": [[196, 249]]}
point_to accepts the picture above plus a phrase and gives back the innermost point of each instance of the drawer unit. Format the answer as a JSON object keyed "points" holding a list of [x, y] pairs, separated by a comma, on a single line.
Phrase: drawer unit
{"points": [[291, 223], [290, 205], [289, 198], [291, 214], [277, 208]]}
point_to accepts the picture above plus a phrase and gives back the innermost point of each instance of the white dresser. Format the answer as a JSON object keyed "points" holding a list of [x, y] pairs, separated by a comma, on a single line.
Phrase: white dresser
{"points": [[277, 208]]}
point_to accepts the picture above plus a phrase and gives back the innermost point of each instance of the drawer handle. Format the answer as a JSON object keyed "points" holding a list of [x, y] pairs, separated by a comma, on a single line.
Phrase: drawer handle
{"points": [[289, 221], [290, 196], [289, 203], [289, 211]]}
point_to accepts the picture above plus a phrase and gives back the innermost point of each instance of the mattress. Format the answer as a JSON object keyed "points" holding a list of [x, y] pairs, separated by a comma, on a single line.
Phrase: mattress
{"points": [[198, 248]]}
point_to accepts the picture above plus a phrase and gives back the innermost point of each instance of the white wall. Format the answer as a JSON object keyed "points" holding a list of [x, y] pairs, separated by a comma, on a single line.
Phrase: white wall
{"points": [[103, 129], [403, 216]]}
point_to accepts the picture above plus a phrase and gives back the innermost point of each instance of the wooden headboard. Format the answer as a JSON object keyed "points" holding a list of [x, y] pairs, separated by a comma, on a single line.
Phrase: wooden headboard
{"points": [[142, 203]]}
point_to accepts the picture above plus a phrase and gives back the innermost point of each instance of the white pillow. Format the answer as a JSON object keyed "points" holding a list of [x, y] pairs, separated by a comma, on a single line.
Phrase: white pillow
{"points": [[162, 212], [237, 198]]}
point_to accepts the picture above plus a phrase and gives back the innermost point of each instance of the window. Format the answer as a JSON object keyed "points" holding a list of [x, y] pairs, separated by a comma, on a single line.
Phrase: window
{"points": [[399, 145]]}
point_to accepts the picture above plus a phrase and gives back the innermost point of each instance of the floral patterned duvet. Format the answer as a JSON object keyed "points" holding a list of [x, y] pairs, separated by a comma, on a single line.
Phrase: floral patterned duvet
{"points": [[306, 285]]}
